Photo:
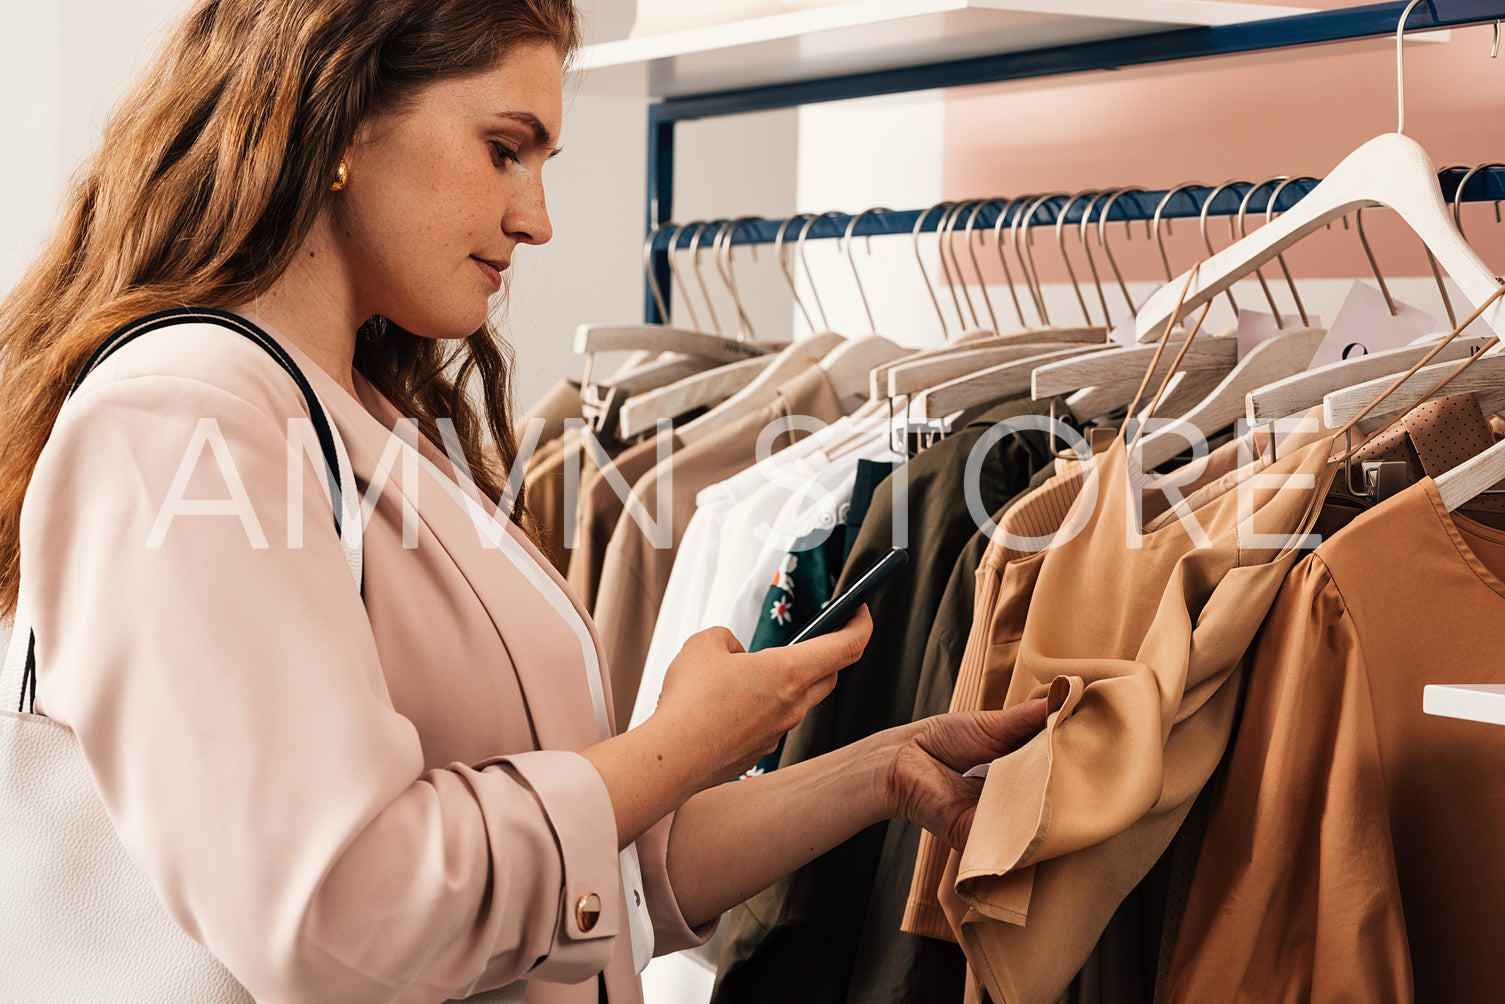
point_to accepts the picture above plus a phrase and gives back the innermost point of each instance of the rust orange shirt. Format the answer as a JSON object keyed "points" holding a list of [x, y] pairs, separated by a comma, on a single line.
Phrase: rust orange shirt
{"points": [[1356, 846]]}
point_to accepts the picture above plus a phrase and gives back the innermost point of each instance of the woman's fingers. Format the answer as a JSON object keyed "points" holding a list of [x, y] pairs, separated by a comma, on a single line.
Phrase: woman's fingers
{"points": [[963, 740], [827, 654], [715, 640], [742, 703], [1010, 727]]}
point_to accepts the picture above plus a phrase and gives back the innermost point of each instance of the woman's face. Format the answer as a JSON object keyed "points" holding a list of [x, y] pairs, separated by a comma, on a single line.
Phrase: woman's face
{"points": [[442, 191]]}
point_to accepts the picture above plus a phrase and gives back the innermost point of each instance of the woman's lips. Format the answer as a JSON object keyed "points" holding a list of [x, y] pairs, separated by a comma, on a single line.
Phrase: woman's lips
{"points": [[492, 270]]}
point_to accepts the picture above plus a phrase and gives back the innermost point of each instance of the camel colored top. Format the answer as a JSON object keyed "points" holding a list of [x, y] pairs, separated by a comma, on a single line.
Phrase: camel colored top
{"points": [[1136, 639], [1354, 851]]}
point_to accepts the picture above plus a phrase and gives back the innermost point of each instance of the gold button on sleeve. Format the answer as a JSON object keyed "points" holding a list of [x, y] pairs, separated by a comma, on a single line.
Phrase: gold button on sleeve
{"points": [[588, 911]]}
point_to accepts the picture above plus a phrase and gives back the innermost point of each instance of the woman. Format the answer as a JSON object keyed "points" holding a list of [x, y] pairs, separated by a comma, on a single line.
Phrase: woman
{"points": [[409, 793]]}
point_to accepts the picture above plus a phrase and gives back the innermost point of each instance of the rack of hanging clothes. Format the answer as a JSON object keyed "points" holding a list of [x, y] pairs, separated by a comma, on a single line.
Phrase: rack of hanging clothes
{"points": [[758, 544], [1237, 795]]}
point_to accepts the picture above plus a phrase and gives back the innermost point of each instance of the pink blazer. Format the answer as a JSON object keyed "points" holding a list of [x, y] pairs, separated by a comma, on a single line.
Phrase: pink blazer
{"points": [[344, 798]]}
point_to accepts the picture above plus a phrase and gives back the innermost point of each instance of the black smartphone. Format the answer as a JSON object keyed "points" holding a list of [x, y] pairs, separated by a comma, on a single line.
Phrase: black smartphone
{"points": [[839, 609]]}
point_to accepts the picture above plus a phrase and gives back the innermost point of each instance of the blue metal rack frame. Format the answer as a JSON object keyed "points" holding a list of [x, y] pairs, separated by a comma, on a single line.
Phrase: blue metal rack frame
{"points": [[1315, 28]]}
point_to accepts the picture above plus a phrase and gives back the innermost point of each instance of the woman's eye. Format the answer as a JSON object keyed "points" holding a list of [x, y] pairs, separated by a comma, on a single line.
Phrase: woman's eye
{"points": [[501, 153]]}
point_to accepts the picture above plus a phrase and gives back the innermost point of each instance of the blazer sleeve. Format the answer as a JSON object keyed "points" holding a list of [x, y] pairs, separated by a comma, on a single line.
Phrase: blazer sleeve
{"points": [[227, 693]]}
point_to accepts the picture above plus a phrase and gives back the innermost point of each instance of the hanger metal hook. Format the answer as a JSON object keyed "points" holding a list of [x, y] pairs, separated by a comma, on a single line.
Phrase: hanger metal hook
{"points": [[1159, 212], [1458, 195], [778, 253], [1259, 276], [1091, 195], [1374, 266], [943, 232], [1022, 206], [1212, 197], [648, 270], [982, 283], [1280, 259], [799, 248], [695, 267], [696, 229], [724, 266], [1022, 240], [677, 279], [919, 224], [1008, 273], [852, 259], [1082, 227], [1442, 289], [1464, 172], [1400, 68], [972, 207], [1102, 241]]}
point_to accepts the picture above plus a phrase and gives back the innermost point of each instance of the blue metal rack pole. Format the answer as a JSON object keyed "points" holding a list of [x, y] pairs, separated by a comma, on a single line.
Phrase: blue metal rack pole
{"points": [[660, 204], [1317, 27], [1484, 186]]}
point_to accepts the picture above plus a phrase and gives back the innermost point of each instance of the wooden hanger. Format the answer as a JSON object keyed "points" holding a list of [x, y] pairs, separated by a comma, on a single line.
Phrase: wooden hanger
{"points": [[908, 377], [788, 363], [591, 339], [1301, 392], [1478, 473], [996, 383], [691, 368], [1268, 361], [978, 340], [657, 371], [878, 378], [1484, 378], [974, 341], [1391, 170], [850, 365], [644, 410], [1121, 367]]}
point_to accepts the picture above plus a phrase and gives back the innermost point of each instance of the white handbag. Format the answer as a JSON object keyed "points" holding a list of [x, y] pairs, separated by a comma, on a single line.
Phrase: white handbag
{"points": [[78, 920]]}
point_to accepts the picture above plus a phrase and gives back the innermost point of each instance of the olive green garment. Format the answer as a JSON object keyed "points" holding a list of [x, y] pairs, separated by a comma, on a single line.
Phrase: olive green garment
{"points": [[800, 938]]}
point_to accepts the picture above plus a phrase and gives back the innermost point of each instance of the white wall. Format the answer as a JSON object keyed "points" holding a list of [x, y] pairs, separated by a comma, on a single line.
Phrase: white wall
{"points": [[62, 66], [865, 154]]}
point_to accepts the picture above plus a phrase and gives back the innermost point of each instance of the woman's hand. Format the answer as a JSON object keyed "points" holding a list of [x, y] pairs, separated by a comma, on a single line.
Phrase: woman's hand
{"points": [[924, 779], [720, 709], [729, 707], [731, 840]]}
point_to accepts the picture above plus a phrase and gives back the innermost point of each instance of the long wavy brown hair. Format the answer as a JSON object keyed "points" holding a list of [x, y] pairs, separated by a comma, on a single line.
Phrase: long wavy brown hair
{"points": [[206, 182]]}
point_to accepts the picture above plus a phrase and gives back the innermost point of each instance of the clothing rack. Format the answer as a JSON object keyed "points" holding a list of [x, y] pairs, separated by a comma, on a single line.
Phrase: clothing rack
{"points": [[1317, 27], [1486, 185]]}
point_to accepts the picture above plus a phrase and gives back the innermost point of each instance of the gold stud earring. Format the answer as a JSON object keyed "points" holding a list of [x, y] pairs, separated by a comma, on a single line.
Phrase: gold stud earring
{"points": [[341, 175]]}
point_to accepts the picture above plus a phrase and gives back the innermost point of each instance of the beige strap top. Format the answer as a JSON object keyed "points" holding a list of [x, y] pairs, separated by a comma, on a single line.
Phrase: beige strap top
{"points": [[1136, 639]]}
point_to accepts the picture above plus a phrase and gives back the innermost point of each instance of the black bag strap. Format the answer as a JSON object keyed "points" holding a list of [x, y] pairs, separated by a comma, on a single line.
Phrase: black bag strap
{"points": [[210, 315]]}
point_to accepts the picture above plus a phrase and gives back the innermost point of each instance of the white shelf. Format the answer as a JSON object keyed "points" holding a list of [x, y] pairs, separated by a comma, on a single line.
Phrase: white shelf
{"points": [[1484, 702], [872, 35]]}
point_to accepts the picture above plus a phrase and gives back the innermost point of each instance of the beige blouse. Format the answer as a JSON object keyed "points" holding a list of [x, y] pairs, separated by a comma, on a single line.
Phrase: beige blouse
{"points": [[1136, 639], [344, 797]]}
